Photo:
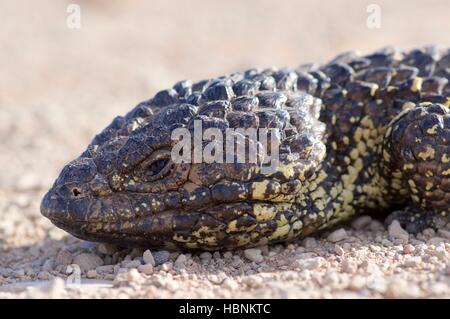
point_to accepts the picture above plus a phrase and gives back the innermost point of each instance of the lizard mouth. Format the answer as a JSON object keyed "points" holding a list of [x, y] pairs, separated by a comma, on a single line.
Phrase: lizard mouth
{"points": [[228, 215], [212, 227]]}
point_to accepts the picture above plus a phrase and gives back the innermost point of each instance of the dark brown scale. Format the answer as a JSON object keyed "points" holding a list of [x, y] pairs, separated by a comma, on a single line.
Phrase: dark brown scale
{"points": [[215, 109], [422, 61], [274, 100], [382, 76], [404, 73], [307, 83]]}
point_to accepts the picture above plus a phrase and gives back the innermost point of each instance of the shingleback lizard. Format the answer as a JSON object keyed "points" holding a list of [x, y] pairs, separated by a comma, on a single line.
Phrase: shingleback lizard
{"points": [[360, 134]]}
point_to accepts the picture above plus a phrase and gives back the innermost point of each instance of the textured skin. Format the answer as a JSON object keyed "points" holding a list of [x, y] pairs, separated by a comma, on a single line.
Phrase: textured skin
{"points": [[359, 134]]}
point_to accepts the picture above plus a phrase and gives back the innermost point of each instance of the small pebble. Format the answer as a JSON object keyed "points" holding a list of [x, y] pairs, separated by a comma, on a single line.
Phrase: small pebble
{"points": [[253, 254], [310, 263], [429, 232], [444, 233], [412, 261], [91, 274], [167, 266], [337, 235], [160, 257], [148, 258], [126, 277], [339, 250], [408, 249], [228, 255], [133, 264], [106, 268], [265, 250], [375, 225], [395, 230], [181, 260], [146, 269], [361, 222], [64, 257], [19, 273], [230, 284], [309, 243], [87, 261], [106, 249], [206, 255], [436, 240], [349, 266]]}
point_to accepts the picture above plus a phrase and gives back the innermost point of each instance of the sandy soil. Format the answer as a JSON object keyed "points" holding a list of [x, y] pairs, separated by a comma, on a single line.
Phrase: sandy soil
{"points": [[59, 86]]}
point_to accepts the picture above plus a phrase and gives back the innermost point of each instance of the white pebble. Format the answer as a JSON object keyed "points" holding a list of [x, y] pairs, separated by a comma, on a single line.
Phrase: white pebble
{"points": [[167, 266], [230, 284], [413, 261], [339, 250], [310, 263]]}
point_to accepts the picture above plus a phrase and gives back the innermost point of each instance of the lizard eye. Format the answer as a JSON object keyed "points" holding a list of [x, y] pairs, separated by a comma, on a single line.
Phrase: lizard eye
{"points": [[157, 166]]}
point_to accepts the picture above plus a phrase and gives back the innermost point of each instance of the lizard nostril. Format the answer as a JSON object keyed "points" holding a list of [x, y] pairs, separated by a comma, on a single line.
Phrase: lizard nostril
{"points": [[76, 192]]}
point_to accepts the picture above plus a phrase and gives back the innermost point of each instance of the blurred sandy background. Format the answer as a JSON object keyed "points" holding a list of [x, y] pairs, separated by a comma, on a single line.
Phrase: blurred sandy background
{"points": [[59, 86]]}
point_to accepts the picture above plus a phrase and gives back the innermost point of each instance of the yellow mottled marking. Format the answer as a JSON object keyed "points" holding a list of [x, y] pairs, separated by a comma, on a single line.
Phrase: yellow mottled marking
{"points": [[373, 89], [346, 140], [427, 154], [432, 130], [354, 154], [280, 232], [259, 189], [263, 212], [417, 84], [232, 226], [408, 166]]}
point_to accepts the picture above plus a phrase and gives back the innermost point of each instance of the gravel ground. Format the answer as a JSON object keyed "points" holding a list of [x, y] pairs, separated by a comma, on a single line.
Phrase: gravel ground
{"points": [[58, 87]]}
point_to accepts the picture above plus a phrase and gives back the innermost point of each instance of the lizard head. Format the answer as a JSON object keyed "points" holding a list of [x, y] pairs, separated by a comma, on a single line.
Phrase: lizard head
{"points": [[127, 188]]}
